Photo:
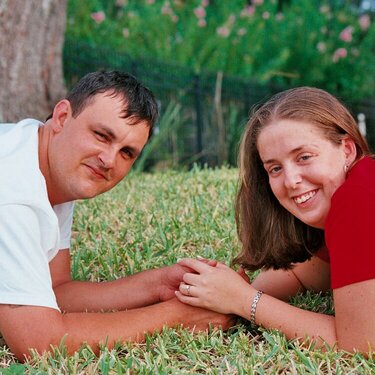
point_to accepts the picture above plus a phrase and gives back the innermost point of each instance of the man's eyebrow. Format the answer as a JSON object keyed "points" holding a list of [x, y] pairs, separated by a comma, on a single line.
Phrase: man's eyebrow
{"points": [[107, 130], [133, 150]]}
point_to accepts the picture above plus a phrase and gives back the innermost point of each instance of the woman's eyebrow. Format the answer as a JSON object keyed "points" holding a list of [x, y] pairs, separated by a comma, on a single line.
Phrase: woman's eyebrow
{"points": [[291, 152]]}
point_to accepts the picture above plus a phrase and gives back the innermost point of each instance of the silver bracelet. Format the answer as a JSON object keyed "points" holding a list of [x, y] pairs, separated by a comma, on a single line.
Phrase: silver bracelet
{"points": [[254, 307]]}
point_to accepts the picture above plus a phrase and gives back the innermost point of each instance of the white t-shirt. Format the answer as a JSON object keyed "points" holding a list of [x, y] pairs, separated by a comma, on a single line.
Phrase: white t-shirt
{"points": [[31, 230]]}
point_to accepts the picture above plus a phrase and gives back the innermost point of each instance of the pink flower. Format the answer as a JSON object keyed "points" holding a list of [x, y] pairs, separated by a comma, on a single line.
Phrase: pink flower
{"points": [[200, 12], [364, 22], [340, 53], [257, 2], [223, 31], [321, 47], [231, 19], [248, 11], [125, 32], [150, 1], [266, 15], [242, 31], [346, 34], [98, 17], [202, 22], [174, 18], [205, 3], [279, 16], [166, 9]]}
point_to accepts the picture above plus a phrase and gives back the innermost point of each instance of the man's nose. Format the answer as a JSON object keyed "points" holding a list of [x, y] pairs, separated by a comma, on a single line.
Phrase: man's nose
{"points": [[107, 158]]}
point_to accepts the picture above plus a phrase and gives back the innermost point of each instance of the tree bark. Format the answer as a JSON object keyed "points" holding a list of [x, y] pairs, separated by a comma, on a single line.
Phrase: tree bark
{"points": [[31, 41]]}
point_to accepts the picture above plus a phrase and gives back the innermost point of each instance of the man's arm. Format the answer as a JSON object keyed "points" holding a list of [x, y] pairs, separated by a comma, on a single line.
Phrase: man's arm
{"points": [[139, 290], [26, 327]]}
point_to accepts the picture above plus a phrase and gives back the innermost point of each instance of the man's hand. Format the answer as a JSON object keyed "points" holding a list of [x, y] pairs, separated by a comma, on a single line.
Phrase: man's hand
{"points": [[199, 319], [170, 279], [172, 276], [243, 274]]}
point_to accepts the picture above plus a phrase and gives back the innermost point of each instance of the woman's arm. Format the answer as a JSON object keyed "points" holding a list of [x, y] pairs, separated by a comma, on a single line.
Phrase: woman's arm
{"points": [[311, 275], [222, 289], [355, 315]]}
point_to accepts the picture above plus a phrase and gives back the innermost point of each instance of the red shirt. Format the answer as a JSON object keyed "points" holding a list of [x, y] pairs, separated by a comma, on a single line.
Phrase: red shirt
{"points": [[350, 227]]}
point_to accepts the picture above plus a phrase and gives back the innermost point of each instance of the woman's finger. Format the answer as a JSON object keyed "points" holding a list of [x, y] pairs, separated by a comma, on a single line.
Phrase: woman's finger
{"points": [[186, 299], [195, 264], [186, 289], [191, 278]]}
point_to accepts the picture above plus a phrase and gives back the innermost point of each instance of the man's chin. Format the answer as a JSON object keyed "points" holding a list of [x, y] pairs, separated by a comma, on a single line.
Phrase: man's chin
{"points": [[88, 193], [93, 194]]}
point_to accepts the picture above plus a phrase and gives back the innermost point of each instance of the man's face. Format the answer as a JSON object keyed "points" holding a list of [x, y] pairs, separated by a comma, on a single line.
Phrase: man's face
{"points": [[91, 153]]}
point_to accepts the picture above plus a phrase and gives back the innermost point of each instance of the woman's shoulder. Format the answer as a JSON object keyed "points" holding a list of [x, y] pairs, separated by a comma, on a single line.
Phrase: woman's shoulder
{"points": [[361, 178]]}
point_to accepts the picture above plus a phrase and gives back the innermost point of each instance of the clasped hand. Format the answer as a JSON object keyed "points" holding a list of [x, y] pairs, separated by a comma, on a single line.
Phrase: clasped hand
{"points": [[172, 276], [217, 288]]}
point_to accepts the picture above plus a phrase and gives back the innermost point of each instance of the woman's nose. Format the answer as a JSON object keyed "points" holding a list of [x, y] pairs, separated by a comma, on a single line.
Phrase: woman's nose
{"points": [[292, 178]]}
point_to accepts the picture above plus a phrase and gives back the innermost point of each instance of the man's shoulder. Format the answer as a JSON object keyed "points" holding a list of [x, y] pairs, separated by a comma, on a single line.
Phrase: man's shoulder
{"points": [[11, 127], [19, 163], [15, 136]]}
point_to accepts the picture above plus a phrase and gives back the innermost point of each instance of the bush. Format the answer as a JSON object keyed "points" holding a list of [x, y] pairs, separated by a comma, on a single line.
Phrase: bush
{"points": [[328, 44]]}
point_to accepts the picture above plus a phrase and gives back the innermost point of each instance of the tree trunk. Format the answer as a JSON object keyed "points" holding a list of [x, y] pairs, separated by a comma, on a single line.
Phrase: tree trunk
{"points": [[31, 41]]}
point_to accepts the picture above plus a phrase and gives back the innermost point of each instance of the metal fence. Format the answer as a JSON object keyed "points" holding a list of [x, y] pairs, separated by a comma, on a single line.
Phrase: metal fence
{"points": [[212, 108]]}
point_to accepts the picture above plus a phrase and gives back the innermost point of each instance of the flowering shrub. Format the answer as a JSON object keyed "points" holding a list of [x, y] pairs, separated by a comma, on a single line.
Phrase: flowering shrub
{"points": [[328, 44]]}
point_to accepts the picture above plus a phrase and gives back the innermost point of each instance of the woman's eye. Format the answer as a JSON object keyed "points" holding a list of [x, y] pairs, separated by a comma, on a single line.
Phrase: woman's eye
{"points": [[305, 157], [274, 170]]}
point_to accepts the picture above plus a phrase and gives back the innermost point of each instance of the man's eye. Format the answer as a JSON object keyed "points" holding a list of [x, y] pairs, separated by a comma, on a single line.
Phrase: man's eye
{"points": [[100, 135], [127, 153]]}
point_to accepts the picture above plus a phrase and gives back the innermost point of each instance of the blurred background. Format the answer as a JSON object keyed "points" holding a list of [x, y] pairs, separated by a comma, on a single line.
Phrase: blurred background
{"points": [[209, 62]]}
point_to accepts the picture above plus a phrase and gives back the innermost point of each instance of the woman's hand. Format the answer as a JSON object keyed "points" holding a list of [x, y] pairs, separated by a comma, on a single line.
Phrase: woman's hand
{"points": [[217, 288], [171, 278]]}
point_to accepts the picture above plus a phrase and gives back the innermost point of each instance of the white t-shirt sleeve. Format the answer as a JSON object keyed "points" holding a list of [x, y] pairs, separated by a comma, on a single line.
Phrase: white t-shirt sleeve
{"points": [[24, 269], [64, 213]]}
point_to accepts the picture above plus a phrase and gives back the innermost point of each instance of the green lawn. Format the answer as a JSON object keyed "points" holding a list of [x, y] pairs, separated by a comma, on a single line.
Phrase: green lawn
{"points": [[151, 220]]}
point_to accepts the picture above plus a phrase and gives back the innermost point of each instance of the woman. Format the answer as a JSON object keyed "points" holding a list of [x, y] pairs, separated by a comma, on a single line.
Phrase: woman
{"points": [[307, 183]]}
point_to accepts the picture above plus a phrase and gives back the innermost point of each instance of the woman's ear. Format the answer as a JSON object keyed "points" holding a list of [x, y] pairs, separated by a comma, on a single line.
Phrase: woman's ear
{"points": [[61, 112], [350, 150]]}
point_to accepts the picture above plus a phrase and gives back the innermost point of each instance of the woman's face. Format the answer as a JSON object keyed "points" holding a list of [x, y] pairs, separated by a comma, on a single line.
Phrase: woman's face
{"points": [[304, 168]]}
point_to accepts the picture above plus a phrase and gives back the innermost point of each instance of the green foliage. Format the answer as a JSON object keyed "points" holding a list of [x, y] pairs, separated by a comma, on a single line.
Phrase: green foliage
{"points": [[150, 220], [328, 44], [166, 129]]}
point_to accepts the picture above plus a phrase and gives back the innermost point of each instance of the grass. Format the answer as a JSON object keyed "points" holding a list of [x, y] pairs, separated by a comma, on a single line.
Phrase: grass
{"points": [[151, 220]]}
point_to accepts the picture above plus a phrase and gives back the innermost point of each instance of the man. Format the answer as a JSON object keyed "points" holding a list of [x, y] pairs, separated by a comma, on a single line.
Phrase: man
{"points": [[85, 148]]}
